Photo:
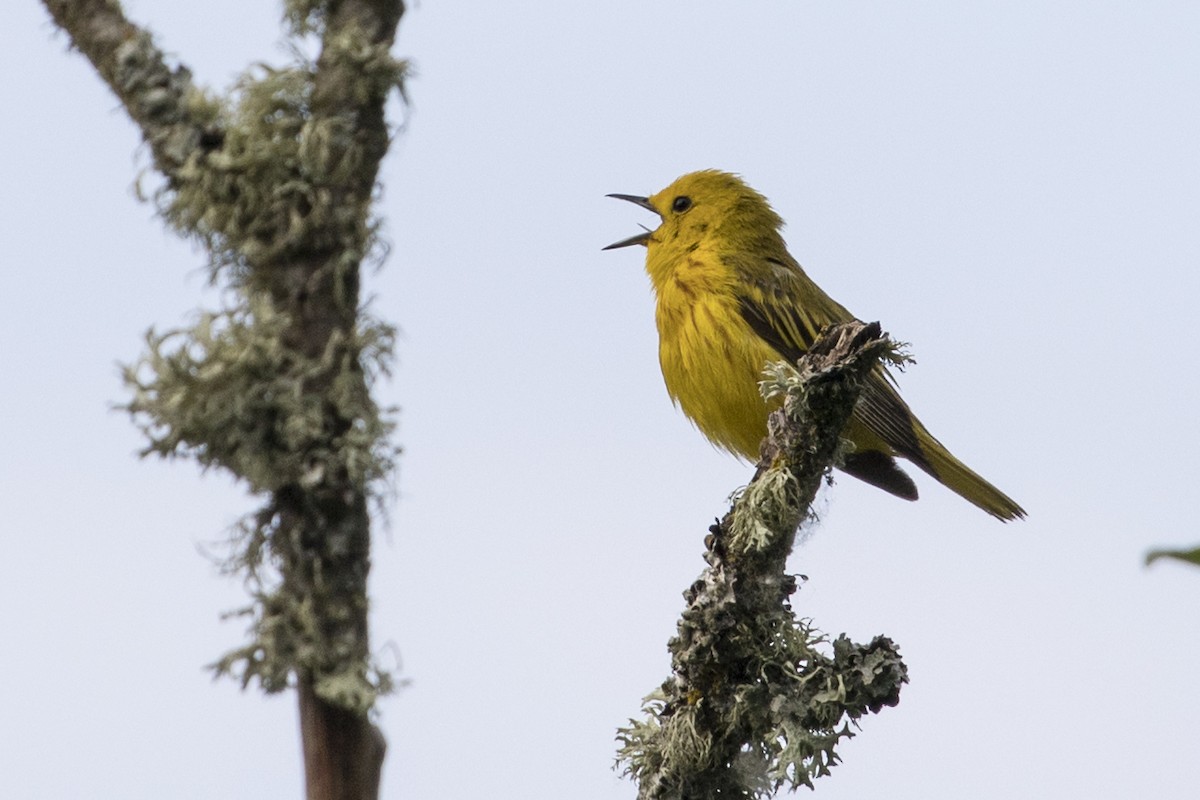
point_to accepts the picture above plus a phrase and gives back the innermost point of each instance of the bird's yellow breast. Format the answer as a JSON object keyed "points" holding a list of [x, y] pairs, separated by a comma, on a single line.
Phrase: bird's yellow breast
{"points": [[711, 360]]}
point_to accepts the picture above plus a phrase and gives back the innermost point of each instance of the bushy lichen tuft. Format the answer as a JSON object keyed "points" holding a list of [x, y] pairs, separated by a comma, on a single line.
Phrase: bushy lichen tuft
{"points": [[286, 631], [304, 17], [228, 393], [274, 189], [251, 201], [764, 511]]}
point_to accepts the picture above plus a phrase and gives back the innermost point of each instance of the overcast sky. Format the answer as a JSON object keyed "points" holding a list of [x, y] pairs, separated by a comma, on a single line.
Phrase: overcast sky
{"points": [[1011, 187]]}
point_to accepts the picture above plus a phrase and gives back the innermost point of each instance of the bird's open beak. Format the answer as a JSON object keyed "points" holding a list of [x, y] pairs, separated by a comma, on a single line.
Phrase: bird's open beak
{"points": [[641, 238]]}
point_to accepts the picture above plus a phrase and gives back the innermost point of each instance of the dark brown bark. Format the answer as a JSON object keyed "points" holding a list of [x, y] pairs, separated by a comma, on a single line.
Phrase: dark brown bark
{"points": [[343, 751]]}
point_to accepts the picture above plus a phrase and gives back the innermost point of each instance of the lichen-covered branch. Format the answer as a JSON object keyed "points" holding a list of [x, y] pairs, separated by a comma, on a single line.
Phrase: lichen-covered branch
{"points": [[757, 699], [177, 122], [276, 181]]}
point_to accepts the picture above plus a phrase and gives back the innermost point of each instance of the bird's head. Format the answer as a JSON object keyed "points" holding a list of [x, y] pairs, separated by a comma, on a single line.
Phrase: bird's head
{"points": [[704, 205]]}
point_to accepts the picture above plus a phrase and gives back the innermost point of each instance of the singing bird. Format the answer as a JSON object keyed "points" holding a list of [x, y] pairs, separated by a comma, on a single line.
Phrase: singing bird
{"points": [[731, 299]]}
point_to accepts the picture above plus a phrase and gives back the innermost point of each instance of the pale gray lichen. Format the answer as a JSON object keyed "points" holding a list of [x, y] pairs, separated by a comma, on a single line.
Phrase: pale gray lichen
{"points": [[276, 386], [304, 17], [765, 510], [759, 699], [228, 393], [272, 191]]}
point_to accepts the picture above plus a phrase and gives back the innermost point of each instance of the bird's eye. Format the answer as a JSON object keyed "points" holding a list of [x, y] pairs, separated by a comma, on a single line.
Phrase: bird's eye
{"points": [[681, 204]]}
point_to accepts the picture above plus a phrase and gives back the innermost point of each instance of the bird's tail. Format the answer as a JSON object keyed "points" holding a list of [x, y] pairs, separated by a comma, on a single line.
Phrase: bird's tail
{"points": [[961, 479]]}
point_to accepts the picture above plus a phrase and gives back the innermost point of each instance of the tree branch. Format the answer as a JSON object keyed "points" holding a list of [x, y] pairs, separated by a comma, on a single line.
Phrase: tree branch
{"points": [[753, 704], [155, 96], [277, 182]]}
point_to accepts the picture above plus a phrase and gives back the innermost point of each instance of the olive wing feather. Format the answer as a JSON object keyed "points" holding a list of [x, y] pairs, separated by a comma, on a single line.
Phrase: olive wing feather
{"points": [[788, 311]]}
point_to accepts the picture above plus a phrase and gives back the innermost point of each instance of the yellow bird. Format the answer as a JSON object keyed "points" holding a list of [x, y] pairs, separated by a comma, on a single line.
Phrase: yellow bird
{"points": [[731, 299]]}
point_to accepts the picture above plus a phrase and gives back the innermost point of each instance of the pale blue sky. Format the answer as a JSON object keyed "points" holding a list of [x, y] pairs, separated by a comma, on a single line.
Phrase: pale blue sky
{"points": [[1013, 187]]}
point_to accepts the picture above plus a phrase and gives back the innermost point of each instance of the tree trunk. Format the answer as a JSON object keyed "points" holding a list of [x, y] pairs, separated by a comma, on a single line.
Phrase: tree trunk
{"points": [[343, 751]]}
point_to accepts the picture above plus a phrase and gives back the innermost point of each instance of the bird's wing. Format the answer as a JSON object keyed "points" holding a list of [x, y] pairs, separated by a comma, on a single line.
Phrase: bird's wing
{"points": [[783, 305], [881, 409], [788, 310]]}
